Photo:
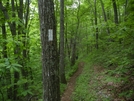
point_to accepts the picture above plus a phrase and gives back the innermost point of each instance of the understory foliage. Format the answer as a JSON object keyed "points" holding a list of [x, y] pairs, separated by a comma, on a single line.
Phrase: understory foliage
{"points": [[113, 81], [117, 60], [99, 32], [116, 56]]}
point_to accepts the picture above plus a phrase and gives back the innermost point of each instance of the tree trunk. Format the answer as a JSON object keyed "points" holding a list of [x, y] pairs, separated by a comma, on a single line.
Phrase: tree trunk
{"points": [[125, 10], [51, 90], [73, 58], [105, 17], [8, 74], [115, 12], [16, 52], [13, 29], [62, 64], [119, 12], [74, 40], [95, 15], [67, 46], [4, 35]]}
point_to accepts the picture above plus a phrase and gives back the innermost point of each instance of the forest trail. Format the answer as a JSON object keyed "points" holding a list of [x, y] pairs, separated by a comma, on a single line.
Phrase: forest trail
{"points": [[103, 90], [71, 83]]}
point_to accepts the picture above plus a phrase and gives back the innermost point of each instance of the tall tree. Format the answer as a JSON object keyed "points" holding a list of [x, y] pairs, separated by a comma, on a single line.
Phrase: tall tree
{"points": [[115, 12], [75, 38], [16, 16], [51, 91], [62, 65], [125, 10], [96, 23], [13, 29], [104, 14], [67, 48], [4, 36]]}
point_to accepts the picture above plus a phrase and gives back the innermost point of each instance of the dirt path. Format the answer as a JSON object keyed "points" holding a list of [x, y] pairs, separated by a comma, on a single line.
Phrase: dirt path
{"points": [[71, 83]]}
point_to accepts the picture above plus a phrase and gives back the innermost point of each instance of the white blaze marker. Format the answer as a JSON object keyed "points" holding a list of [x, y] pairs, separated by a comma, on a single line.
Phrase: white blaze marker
{"points": [[50, 34]]}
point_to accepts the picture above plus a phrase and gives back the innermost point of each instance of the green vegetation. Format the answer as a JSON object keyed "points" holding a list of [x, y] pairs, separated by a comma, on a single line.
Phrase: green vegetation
{"points": [[82, 91], [98, 32], [69, 72], [116, 75]]}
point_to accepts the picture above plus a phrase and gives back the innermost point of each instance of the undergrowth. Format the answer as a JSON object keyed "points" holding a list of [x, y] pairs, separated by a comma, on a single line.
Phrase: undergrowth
{"points": [[82, 91], [70, 70], [118, 62]]}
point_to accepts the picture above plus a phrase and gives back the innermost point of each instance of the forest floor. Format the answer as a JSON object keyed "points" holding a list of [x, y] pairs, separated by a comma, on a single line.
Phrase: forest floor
{"points": [[71, 83], [100, 88], [105, 88]]}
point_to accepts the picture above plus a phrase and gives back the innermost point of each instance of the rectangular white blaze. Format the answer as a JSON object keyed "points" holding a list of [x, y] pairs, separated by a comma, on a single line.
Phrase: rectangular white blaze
{"points": [[50, 34]]}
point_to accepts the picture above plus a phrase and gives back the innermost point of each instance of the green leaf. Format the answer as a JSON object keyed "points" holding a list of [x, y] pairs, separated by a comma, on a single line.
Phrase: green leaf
{"points": [[24, 93], [7, 61], [22, 81], [11, 70], [8, 67], [16, 65], [16, 69], [2, 65]]}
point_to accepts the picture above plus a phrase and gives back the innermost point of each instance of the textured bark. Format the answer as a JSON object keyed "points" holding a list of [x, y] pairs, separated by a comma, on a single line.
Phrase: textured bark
{"points": [[51, 91], [62, 56]]}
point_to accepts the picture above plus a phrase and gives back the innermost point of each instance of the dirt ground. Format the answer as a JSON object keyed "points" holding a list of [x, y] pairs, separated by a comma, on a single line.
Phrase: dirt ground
{"points": [[71, 83]]}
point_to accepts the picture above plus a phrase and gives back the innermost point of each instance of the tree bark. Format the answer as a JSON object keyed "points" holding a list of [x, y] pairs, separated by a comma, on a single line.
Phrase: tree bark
{"points": [[62, 56], [51, 90]]}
